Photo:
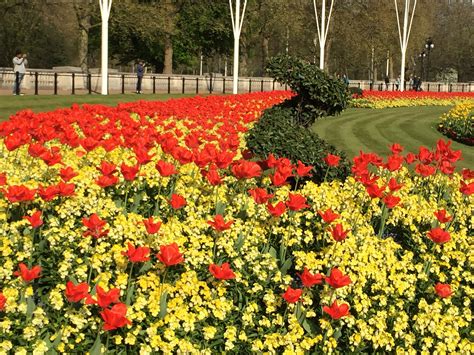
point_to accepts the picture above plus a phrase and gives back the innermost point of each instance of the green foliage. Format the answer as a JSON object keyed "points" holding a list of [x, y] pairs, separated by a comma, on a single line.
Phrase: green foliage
{"points": [[355, 91], [317, 95], [278, 132]]}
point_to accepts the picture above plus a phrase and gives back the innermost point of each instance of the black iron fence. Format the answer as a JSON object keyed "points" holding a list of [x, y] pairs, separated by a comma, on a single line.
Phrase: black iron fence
{"points": [[43, 82]]}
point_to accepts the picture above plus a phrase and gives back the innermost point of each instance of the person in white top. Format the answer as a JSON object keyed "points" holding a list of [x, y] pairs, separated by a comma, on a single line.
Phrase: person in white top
{"points": [[19, 62]]}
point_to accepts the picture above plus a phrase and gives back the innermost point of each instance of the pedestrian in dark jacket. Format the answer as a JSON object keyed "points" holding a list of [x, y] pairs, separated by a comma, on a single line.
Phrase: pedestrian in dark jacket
{"points": [[140, 72]]}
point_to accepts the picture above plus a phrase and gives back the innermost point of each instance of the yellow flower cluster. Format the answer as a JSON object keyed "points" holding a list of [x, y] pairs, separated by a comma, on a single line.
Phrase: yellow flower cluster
{"points": [[392, 263], [458, 123]]}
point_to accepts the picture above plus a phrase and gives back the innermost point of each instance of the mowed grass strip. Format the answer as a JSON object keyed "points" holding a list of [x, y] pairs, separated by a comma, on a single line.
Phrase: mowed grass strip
{"points": [[9, 105], [375, 130]]}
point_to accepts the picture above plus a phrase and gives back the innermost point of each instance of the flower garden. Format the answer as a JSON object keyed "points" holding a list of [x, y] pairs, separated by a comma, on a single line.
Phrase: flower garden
{"points": [[387, 99], [149, 227]]}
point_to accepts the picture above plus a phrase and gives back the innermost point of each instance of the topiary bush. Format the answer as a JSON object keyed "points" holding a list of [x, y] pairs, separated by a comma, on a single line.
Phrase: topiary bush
{"points": [[279, 132], [317, 94]]}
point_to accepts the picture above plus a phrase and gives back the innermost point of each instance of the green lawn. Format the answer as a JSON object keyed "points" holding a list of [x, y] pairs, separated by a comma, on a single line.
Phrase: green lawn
{"points": [[373, 130], [42, 103]]}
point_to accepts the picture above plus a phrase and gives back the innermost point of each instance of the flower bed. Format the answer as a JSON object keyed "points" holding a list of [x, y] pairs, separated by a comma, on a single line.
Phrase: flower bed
{"points": [[387, 99], [154, 231], [458, 123]]}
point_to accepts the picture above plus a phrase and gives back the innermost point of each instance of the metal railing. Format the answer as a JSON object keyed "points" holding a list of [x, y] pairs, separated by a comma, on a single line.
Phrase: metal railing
{"points": [[48, 82]]}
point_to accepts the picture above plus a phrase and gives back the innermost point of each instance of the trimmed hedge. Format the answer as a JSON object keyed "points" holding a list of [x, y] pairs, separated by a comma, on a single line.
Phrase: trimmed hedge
{"points": [[317, 94], [278, 131]]}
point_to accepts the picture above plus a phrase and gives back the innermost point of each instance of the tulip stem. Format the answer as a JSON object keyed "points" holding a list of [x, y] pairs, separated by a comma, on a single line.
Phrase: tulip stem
{"points": [[326, 175], [107, 342]]}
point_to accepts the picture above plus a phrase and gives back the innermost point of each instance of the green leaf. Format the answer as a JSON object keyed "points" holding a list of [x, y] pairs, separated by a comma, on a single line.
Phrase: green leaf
{"points": [[30, 307], [145, 267], [130, 292], [97, 347], [239, 242], [163, 304], [337, 334], [118, 203], [286, 265], [220, 208], [273, 252], [307, 326]]}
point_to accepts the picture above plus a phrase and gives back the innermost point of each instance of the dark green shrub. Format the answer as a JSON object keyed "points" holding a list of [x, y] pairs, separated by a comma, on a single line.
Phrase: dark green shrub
{"points": [[355, 91], [317, 94], [278, 132]]}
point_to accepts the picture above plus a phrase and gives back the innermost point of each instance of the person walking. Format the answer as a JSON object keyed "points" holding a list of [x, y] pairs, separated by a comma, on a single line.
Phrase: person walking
{"points": [[140, 72], [397, 83], [387, 81], [19, 68]]}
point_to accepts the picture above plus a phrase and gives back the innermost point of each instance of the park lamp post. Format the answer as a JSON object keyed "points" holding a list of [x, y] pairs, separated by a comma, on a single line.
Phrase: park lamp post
{"points": [[422, 57], [429, 45], [105, 6]]}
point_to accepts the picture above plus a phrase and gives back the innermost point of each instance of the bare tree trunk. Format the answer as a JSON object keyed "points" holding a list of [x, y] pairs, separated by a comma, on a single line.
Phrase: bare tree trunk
{"points": [[264, 53], [84, 26], [168, 60], [327, 55]]}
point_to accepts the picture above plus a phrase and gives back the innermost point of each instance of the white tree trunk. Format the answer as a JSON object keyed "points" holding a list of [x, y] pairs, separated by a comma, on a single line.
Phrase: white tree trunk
{"points": [[404, 35], [323, 28], [237, 21], [105, 6]]}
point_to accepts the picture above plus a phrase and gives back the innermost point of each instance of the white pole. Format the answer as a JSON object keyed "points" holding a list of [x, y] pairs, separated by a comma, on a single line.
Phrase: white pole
{"points": [[200, 65], [237, 22], [405, 35], [388, 63], [323, 28], [105, 6]]}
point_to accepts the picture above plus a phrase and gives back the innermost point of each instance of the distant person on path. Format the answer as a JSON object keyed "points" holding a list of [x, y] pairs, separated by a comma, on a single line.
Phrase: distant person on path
{"points": [[19, 68], [140, 72], [345, 79], [418, 84], [397, 83], [387, 81]]}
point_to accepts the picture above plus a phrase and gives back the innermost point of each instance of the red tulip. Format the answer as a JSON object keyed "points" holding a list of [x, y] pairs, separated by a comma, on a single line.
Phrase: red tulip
{"points": [[165, 168], [244, 169], [35, 219], [260, 195], [106, 180], [296, 202], [328, 216], [19, 194], [425, 170], [67, 173], [28, 274], [223, 272], [332, 160], [150, 226], [104, 298], [213, 176], [393, 185], [48, 193], [396, 148], [467, 189], [443, 290], [219, 224], [394, 162], [170, 255], [391, 201], [3, 301], [66, 190], [115, 317], [375, 191], [303, 170], [129, 172], [138, 254], [439, 236], [107, 168], [75, 293], [442, 216], [277, 210], [337, 279], [3, 179], [337, 311], [308, 279], [94, 227], [338, 233], [177, 201], [292, 295]]}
